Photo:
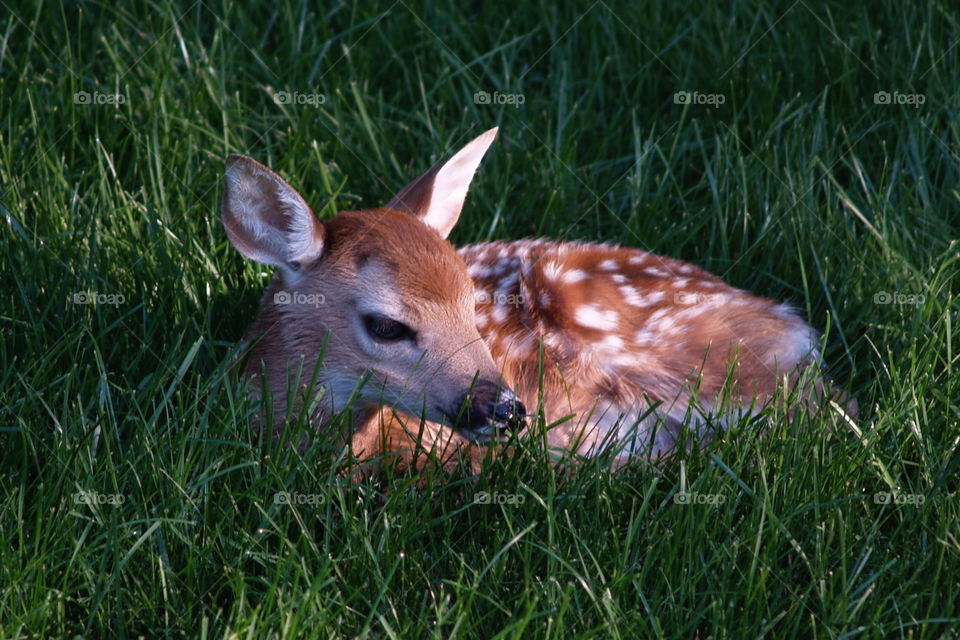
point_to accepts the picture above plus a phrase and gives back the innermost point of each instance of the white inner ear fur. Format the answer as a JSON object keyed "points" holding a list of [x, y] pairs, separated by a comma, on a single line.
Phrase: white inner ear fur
{"points": [[246, 204], [253, 194], [451, 183], [303, 245]]}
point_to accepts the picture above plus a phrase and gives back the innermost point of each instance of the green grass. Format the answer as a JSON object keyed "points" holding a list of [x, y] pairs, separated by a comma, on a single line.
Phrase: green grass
{"points": [[798, 187]]}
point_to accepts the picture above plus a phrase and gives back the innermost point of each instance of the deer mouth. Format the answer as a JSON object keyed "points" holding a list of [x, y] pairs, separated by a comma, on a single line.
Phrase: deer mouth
{"points": [[482, 433], [485, 434]]}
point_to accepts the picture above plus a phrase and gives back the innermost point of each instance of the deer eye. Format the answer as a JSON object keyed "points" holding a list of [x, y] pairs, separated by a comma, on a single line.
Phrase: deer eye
{"points": [[386, 329]]}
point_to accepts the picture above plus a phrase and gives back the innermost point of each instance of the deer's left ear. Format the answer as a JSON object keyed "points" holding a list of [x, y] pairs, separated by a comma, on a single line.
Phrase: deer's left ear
{"points": [[437, 196]]}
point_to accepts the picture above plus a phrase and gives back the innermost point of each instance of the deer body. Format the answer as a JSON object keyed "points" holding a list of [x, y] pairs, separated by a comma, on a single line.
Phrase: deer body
{"points": [[627, 336], [621, 346]]}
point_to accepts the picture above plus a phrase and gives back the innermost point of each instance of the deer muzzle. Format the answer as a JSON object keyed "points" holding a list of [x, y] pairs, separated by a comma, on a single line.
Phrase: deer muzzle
{"points": [[487, 412]]}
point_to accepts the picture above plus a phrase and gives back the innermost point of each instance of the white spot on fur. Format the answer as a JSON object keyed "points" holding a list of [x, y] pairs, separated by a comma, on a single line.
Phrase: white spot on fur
{"points": [[618, 278], [552, 340], [641, 300], [656, 272], [552, 270], [574, 275], [520, 345], [644, 337], [668, 325], [631, 296], [609, 265], [590, 316], [658, 315], [631, 360], [478, 270], [610, 344]]}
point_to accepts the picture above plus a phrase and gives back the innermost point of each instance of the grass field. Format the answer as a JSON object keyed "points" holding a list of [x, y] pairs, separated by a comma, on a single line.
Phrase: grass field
{"points": [[804, 151]]}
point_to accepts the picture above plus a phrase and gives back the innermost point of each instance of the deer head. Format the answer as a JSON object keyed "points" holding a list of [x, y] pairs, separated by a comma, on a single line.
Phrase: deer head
{"points": [[382, 288]]}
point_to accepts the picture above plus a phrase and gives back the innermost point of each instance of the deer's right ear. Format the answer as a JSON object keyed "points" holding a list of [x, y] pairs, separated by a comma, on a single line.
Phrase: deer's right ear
{"points": [[266, 219], [437, 196]]}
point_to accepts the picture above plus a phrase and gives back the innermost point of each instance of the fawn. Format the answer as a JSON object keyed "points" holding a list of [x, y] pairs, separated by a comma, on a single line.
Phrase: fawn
{"points": [[627, 345]]}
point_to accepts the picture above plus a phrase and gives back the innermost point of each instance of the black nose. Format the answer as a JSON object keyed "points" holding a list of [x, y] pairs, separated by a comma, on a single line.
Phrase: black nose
{"points": [[489, 410], [509, 411]]}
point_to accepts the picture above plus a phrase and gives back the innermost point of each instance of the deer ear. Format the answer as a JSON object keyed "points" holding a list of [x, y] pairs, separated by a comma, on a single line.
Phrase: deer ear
{"points": [[437, 196], [266, 219]]}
